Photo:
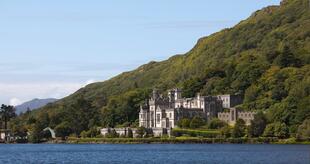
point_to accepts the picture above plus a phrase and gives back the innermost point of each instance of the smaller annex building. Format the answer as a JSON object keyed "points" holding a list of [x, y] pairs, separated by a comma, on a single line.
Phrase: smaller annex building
{"points": [[233, 114]]}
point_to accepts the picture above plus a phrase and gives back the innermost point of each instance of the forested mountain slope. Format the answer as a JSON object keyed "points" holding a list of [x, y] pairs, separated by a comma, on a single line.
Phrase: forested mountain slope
{"points": [[265, 57]]}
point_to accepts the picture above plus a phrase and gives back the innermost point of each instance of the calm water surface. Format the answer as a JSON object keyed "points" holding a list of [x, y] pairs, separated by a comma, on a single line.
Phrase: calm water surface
{"points": [[154, 153]]}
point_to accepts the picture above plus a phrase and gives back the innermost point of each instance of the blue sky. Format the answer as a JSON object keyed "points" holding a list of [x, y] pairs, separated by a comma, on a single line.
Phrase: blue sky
{"points": [[52, 48]]}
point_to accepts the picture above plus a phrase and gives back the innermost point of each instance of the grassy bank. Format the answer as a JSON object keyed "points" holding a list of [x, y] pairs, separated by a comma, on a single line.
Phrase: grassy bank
{"points": [[181, 140], [196, 133]]}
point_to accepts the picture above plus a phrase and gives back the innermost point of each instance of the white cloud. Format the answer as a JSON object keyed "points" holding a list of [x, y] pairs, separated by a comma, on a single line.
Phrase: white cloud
{"points": [[15, 101], [19, 92], [16, 93]]}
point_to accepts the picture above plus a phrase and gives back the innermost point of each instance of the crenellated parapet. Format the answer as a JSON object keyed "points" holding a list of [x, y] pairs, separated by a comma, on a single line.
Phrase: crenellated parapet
{"points": [[234, 114]]}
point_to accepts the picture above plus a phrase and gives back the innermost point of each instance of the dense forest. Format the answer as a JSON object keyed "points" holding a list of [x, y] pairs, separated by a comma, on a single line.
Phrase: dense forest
{"points": [[266, 58]]}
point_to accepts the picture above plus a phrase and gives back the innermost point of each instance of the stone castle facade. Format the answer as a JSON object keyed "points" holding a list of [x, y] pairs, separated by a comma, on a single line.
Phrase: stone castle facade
{"points": [[233, 114], [160, 112]]}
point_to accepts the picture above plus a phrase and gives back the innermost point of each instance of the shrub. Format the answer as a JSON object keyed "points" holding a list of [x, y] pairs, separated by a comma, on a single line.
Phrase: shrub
{"points": [[216, 124], [112, 134], [130, 134], [225, 131], [269, 131], [141, 131], [195, 133], [277, 129], [258, 125], [239, 129], [304, 130], [62, 130], [197, 122], [184, 123]]}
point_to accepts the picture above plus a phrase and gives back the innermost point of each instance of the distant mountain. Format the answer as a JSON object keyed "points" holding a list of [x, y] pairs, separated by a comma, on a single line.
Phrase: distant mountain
{"points": [[33, 104]]}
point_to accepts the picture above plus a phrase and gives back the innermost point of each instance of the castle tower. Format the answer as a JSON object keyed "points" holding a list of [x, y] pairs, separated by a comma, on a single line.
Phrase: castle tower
{"points": [[177, 94], [171, 96], [233, 115], [155, 94]]}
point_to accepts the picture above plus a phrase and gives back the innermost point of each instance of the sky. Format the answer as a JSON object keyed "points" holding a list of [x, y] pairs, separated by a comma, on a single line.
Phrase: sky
{"points": [[51, 48]]}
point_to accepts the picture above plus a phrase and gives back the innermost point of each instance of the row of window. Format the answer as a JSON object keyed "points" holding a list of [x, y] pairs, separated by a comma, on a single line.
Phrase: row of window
{"points": [[241, 115], [246, 115]]}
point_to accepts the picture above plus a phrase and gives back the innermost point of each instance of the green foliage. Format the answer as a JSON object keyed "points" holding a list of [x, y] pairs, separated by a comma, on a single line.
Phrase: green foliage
{"points": [[287, 58], [195, 133], [226, 131], [216, 124], [239, 129], [184, 123], [258, 125], [91, 133], [62, 130], [141, 131], [81, 116], [304, 130], [6, 113], [269, 131], [18, 129], [265, 57], [276, 129], [281, 130], [124, 108], [196, 122], [191, 87], [130, 133], [112, 134]]}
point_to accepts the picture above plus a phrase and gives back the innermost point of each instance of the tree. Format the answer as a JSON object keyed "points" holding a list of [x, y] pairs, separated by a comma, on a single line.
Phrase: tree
{"points": [[191, 87], [130, 134], [226, 131], [304, 130], [62, 130], [140, 132], [31, 120], [276, 129], [281, 130], [93, 132], [216, 124], [278, 92], [197, 122], [258, 125], [269, 131], [112, 134], [287, 58], [184, 123], [239, 129], [36, 134], [80, 115], [18, 129], [6, 113]]}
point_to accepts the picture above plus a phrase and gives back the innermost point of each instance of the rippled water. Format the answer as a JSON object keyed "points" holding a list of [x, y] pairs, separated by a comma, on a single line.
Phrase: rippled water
{"points": [[154, 153]]}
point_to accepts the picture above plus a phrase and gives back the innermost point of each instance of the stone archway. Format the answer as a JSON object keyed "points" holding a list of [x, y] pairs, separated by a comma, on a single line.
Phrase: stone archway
{"points": [[53, 134]]}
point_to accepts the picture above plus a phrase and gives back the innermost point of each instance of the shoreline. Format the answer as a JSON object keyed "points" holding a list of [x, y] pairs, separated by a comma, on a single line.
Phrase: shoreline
{"points": [[180, 140], [173, 140]]}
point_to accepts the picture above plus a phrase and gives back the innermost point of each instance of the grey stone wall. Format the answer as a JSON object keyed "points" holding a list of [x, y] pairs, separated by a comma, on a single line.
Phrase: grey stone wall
{"points": [[233, 114]]}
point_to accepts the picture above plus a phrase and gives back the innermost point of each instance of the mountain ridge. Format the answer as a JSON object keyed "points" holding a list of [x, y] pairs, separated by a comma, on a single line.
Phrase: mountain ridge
{"points": [[266, 58], [33, 104]]}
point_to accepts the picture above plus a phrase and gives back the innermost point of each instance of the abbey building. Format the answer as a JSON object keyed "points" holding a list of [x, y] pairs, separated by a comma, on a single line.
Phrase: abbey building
{"points": [[161, 112]]}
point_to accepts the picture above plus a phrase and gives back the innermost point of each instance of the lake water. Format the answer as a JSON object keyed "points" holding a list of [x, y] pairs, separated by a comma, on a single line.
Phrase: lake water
{"points": [[154, 153]]}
